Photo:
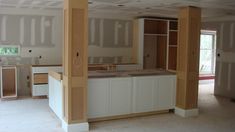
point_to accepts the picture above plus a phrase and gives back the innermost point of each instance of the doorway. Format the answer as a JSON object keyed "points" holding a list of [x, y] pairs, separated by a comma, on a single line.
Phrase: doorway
{"points": [[207, 61]]}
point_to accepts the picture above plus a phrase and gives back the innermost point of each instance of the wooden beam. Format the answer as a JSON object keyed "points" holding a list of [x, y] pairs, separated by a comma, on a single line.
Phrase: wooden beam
{"points": [[75, 60], [188, 57]]}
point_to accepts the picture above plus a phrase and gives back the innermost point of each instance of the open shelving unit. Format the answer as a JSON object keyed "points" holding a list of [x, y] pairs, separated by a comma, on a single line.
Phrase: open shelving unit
{"points": [[160, 38], [172, 45]]}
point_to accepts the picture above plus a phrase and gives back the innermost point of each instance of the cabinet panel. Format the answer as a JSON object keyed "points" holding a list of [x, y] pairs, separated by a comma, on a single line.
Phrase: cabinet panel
{"points": [[166, 86], [143, 94], [172, 58], [155, 27], [150, 49], [120, 96], [98, 98], [161, 52], [8, 82], [40, 90]]}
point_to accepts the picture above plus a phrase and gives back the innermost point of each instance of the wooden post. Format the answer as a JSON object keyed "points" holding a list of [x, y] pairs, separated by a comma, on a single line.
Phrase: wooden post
{"points": [[188, 61], [75, 65]]}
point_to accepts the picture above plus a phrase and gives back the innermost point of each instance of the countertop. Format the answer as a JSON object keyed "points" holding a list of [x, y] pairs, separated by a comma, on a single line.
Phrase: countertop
{"points": [[134, 73], [111, 74]]}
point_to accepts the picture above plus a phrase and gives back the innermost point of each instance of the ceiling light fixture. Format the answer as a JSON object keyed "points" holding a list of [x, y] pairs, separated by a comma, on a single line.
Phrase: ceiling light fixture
{"points": [[120, 5]]}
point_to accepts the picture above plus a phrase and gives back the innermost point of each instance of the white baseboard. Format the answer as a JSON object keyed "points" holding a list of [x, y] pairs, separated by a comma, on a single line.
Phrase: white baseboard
{"points": [[186, 113], [79, 127]]}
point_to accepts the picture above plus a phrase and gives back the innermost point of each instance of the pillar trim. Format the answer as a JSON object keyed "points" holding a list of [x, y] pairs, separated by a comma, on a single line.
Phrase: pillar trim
{"points": [[77, 127], [186, 113]]}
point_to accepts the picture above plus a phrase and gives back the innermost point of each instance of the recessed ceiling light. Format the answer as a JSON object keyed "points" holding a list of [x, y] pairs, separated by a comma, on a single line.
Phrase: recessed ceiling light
{"points": [[120, 5]]}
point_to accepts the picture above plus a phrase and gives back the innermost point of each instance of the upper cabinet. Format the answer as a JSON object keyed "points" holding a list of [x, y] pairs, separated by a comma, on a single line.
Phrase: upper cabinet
{"points": [[158, 43], [155, 27]]}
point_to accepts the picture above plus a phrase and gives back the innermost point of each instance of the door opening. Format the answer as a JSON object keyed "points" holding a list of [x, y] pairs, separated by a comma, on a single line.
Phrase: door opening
{"points": [[207, 61]]}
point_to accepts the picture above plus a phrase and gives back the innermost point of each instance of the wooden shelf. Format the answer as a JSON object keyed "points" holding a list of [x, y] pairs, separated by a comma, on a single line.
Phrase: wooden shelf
{"points": [[155, 34], [173, 46], [160, 44]]}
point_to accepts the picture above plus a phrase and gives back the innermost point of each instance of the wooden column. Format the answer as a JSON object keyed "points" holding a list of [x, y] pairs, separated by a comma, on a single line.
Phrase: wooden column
{"points": [[75, 61], [188, 58]]}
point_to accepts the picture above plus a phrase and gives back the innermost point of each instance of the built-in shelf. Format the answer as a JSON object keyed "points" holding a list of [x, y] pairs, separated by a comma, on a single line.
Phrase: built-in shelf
{"points": [[174, 46], [155, 34]]}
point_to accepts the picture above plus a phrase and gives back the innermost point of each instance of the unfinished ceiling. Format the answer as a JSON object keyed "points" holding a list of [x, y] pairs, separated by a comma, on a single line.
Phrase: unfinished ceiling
{"points": [[169, 8]]}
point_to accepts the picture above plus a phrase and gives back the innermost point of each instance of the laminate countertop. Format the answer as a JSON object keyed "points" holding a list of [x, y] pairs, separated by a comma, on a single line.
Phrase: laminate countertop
{"points": [[134, 73], [112, 74]]}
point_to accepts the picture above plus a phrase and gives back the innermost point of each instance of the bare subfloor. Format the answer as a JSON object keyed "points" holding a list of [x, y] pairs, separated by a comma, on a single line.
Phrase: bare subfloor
{"points": [[217, 114]]}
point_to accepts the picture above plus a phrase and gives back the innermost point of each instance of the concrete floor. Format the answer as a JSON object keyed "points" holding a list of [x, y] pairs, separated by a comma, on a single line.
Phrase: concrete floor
{"points": [[217, 114]]}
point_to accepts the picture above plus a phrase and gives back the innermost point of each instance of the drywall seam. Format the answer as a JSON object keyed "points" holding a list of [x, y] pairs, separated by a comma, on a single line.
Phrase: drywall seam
{"points": [[92, 30], [22, 30], [3, 27], [231, 35], [116, 28], [221, 36], [229, 76], [127, 33], [32, 32], [101, 32], [42, 29], [54, 27]]}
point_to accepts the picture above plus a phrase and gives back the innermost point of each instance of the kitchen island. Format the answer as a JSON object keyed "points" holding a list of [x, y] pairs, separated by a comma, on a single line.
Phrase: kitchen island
{"points": [[120, 94]]}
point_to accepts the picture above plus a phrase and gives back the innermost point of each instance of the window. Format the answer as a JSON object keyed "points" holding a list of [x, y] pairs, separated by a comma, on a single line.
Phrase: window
{"points": [[9, 50], [207, 52]]}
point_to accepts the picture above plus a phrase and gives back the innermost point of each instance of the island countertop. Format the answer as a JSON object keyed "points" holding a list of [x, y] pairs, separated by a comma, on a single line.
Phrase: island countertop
{"points": [[108, 74]]}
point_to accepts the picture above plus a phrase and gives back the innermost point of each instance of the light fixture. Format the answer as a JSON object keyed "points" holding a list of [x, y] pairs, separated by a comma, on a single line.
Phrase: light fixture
{"points": [[120, 5]]}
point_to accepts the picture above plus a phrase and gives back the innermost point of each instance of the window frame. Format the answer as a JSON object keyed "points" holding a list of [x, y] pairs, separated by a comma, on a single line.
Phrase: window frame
{"points": [[11, 46]]}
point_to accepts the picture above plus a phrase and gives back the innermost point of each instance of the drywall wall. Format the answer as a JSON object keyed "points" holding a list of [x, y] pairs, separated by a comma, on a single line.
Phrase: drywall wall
{"points": [[225, 60], [39, 35], [110, 40], [38, 31]]}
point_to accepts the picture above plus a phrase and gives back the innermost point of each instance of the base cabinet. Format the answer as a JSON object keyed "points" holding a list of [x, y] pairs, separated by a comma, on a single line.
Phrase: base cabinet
{"points": [[120, 96], [166, 93], [154, 93], [128, 95], [143, 99], [98, 98], [39, 79]]}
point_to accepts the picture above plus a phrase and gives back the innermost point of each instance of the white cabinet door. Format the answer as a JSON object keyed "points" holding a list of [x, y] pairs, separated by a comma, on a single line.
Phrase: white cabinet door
{"points": [[120, 96], [98, 98], [166, 92], [40, 90], [143, 94]]}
